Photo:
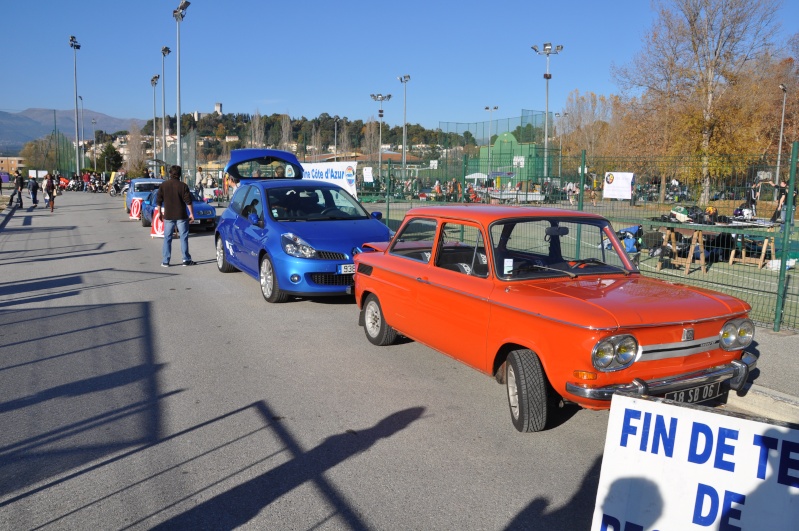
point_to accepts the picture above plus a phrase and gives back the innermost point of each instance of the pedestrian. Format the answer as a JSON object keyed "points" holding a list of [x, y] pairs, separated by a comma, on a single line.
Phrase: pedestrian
{"points": [[784, 205], [19, 184], [593, 196], [50, 191], [201, 181], [33, 190], [754, 195], [174, 200]]}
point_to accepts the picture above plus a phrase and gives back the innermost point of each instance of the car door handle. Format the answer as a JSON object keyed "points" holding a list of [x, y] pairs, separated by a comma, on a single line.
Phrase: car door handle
{"points": [[422, 279]]}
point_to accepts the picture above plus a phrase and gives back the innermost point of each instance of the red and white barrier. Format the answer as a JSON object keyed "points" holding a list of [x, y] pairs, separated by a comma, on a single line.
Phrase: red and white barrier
{"points": [[135, 209], [157, 226]]}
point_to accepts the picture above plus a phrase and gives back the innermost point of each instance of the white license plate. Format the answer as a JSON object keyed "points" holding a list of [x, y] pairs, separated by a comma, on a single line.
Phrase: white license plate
{"points": [[347, 269], [195, 222], [696, 394]]}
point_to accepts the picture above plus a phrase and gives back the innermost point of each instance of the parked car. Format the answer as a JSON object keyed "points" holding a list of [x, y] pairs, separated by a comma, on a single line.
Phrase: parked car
{"points": [[140, 189], [204, 214], [548, 302], [297, 237]]}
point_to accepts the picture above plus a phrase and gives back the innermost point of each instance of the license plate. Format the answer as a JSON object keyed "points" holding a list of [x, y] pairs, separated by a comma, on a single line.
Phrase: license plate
{"points": [[195, 222], [347, 269], [696, 394]]}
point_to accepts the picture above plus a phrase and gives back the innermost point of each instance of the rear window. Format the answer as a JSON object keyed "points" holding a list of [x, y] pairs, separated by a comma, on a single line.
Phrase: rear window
{"points": [[145, 187]]}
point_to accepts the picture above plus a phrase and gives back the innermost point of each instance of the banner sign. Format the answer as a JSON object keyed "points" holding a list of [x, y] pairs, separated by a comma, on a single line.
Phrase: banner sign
{"points": [[618, 185], [671, 467], [340, 173], [367, 175]]}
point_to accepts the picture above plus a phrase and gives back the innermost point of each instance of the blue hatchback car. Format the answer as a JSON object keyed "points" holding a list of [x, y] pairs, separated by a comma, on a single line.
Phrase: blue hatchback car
{"points": [[297, 237], [204, 214], [140, 189]]}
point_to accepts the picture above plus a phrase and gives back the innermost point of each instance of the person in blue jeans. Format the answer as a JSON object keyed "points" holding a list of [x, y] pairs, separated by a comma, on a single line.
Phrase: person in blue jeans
{"points": [[174, 201]]}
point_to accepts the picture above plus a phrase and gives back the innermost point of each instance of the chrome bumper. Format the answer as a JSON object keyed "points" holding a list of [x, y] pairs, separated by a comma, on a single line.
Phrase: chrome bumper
{"points": [[736, 372]]}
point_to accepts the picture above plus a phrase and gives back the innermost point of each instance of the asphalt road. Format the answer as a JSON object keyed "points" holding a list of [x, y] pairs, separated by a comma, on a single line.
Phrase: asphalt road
{"points": [[133, 397]]}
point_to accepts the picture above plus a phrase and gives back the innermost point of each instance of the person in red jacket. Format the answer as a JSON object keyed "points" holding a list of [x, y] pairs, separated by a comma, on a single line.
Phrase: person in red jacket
{"points": [[174, 200]]}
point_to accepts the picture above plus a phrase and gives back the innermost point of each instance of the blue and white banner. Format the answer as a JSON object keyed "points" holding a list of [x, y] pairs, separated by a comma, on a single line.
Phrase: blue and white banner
{"points": [[340, 173], [671, 467]]}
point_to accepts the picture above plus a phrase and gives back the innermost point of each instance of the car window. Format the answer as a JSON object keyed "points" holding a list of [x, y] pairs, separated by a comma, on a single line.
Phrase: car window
{"points": [[554, 247], [237, 201], [305, 201], [145, 187], [461, 248], [415, 240], [253, 204]]}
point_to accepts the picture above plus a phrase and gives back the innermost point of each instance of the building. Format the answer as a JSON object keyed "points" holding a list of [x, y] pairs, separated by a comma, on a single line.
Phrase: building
{"points": [[11, 164]]}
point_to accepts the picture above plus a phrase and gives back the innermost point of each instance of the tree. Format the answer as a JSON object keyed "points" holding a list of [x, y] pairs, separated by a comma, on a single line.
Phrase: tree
{"points": [[693, 54], [285, 132], [109, 157], [137, 159], [257, 128]]}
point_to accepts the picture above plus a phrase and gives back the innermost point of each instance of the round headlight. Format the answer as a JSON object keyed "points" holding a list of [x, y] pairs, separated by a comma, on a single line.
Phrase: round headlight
{"points": [[746, 333], [603, 354], [728, 338], [626, 350]]}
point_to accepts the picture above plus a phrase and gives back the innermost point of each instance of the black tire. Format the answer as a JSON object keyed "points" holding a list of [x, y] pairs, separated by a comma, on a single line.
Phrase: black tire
{"points": [[144, 222], [268, 279], [531, 399], [221, 260], [378, 331], [112, 192]]}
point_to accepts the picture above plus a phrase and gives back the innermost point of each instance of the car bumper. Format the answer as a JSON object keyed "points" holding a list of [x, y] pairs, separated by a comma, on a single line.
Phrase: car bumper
{"points": [[736, 373]]}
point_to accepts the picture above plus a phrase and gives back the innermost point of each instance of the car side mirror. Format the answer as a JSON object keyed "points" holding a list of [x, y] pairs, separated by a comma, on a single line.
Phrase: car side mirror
{"points": [[377, 215], [253, 219]]}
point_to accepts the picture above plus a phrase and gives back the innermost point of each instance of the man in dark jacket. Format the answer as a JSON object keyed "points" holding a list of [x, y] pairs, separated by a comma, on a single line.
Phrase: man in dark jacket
{"points": [[19, 184], [173, 200]]}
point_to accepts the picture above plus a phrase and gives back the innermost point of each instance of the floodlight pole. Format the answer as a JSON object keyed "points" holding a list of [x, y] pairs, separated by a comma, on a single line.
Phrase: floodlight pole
{"points": [[547, 51], [381, 99], [404, 80], [73, 43], [94, 143], [490, 114], [779, 149], [154, 83], [164, 52], [179, 13], [82, 136]]}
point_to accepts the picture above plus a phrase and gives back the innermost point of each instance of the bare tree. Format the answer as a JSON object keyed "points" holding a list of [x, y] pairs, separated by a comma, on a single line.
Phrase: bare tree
{"points": [[371, 137], [285, 132], [257, 129], [136, 161], [316, 141], [695, 51], [587, 117], [343, 139]]}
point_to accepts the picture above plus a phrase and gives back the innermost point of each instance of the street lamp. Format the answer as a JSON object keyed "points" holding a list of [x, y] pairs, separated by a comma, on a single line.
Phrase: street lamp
{"points": [[73, 43], [154, 82], [94, 144], [404, 80], [82, 135], [490, 113], [335, 139], [560, 140], [782, 123], [179, 13], [381, 99], [164, 52], [547, 51]]}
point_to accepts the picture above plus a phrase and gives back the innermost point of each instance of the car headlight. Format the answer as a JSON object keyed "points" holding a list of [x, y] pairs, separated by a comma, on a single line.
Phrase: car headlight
{"points": [[295, 246], [615, 353], [736, 334]]}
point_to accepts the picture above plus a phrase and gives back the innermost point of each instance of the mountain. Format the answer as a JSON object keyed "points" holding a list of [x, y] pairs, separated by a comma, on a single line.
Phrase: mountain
{"points": [[16, 129]]}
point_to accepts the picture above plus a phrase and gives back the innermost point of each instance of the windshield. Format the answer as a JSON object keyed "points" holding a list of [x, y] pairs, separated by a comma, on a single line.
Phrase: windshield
{"points": [[145, 187], [554, 247], [306, 202]]}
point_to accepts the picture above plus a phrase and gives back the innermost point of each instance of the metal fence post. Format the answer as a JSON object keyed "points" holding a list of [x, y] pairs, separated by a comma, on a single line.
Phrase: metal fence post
{"points": [[786, 239], [582, 184], [388, 192]]}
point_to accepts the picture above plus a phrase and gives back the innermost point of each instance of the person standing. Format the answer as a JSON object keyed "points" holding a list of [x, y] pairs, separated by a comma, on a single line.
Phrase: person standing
{"points": [[174, 200], [33, 189], [19, 184], [49, 191]]}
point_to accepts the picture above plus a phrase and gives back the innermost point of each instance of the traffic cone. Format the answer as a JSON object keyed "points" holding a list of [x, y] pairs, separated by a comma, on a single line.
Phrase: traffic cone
{"points": [[135, 209], [157, 226]]}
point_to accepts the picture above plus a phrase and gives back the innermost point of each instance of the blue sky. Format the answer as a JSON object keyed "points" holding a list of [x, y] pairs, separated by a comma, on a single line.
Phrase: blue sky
{"points": [[308, 57]]}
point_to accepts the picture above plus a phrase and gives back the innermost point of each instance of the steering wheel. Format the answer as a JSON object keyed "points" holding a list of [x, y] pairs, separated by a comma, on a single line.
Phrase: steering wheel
{"points": [[330, 210]]}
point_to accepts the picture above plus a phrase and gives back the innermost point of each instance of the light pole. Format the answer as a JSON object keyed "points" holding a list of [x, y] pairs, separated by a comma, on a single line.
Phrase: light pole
{"points": [[560, 140], [404, 80], [779, 149], [490, 113], [154, 82], [179, 13], [335, 139], [381, 99], [94, 144], [547, 51], [164, 52], [73, 43], [82, 135]]}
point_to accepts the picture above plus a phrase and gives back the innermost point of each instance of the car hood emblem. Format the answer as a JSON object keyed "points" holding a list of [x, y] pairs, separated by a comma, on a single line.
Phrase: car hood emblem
{"points": [[687, 334]]}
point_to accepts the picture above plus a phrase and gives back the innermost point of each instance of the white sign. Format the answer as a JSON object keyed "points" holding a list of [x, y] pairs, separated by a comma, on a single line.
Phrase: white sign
{"points": [[367, 175], [518, 161], [433, 164], [670, 467], [340, 173], [618, 185]]}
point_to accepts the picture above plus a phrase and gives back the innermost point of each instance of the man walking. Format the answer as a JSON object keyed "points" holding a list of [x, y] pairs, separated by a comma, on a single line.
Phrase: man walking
{"points": [[19, 184], [174, 199]]}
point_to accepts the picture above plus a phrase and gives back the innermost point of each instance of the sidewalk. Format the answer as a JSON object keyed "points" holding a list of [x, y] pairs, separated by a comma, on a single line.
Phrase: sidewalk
{"points": [[773, 390]]}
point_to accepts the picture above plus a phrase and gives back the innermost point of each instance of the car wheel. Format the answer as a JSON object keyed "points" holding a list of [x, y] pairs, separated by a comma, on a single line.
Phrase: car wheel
{"points": [[378, 332], [269, 288], [144, 222], [221, 260], [531, 399]]}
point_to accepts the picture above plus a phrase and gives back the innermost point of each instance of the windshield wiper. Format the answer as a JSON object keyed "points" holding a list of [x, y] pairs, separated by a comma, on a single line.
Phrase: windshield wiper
{"points": [[534, 267], [596, 261]]}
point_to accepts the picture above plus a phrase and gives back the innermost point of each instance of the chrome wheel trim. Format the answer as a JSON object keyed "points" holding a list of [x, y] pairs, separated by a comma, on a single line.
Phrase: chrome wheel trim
{"points": [[372, 319], [220, 253], [267, 278], [513, 392]]}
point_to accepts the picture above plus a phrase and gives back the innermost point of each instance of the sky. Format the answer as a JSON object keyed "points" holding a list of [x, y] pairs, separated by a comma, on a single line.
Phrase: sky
{"points": [[308, 57]]}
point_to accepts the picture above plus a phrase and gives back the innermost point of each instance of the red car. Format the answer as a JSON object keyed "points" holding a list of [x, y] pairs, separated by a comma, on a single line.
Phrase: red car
{"points": [[548, 302]]}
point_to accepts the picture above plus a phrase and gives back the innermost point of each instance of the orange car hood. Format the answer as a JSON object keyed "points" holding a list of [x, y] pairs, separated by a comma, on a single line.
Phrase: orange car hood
{"points": [[603, 302]]}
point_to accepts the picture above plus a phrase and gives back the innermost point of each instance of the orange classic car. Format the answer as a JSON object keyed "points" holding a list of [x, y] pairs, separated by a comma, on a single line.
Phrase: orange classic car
{"points": [[549, 303]]}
